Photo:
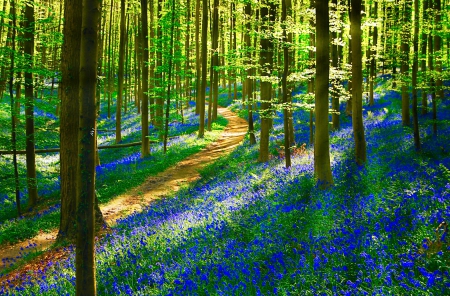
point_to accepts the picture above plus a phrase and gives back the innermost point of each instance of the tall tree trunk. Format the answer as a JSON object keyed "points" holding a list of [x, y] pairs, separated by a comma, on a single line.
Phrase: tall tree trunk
{"points": [[414, 75], [286, 5], [29, 105], [121, 71], [159, 107], [201, 130], [357, 118], [335, 81], [214, 94], [322, 167], [145, 149], [85, 251], [438, 92], [197, 57], [248, 81], [423, 65], [169, 78], [405, 64], [187, 69], [268, 12], [373, 60], [13, 111]]}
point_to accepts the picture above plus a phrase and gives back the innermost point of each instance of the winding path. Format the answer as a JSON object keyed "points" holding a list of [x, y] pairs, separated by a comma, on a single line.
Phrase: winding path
{"points": [[155, 187]]}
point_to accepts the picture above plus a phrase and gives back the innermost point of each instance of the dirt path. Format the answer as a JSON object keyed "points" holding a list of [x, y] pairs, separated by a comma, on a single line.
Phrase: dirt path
{"points": [[153, 188]]}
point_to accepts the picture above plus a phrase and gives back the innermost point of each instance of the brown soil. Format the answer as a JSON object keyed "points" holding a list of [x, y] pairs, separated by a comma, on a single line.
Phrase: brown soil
{"points": [[155, 187]]}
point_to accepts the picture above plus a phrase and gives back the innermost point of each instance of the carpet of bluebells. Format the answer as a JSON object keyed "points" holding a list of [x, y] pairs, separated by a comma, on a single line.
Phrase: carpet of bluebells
{"points": [[260, 229]]}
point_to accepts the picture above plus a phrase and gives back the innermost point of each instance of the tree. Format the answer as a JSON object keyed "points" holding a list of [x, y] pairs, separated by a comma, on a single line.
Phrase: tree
{"points": [[248, 81], [29, 105], [268, 12], [322, 167], [201, 101], [69, 120], [414, 75], [405, 63], [122, 42], [13, 110], [357, 119], [286, 5], [85, 252], [144, 115]]}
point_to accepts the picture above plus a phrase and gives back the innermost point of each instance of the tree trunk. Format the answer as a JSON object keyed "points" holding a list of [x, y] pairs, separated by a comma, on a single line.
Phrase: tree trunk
{"points": [[423, 65], [85, 246], [438, 92], [373, 61], [322, 168], [268, 12], [357, 118], [414, 75], [121, 72], [145, 149], [13, 111], [214, 93], [405, 64], [29, 106], [335, 81], [197, 57], [248, 81], [286, 5], [201, 130], [169, 78]]}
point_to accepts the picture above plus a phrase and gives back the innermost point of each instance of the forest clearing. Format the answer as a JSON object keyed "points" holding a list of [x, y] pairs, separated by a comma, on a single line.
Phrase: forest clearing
{"points": [[182, 147]]}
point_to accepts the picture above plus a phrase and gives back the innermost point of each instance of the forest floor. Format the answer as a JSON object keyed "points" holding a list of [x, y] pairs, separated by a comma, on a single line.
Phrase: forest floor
{"points": [[135, 200]]}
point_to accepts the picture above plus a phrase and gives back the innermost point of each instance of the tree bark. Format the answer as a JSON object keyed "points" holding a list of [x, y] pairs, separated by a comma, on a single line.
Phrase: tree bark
{"points": [[414, 75], [85, 246], [322, 167], [357, 118], [286, 4], [201, 129], [145, 149], [405, 64], [13, 110], [268, 12], [122, 42], [29, 106]]}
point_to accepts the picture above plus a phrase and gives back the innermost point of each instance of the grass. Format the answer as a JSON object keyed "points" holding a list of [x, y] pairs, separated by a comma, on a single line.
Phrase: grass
{"points": [[116, 163], [249, 228]]}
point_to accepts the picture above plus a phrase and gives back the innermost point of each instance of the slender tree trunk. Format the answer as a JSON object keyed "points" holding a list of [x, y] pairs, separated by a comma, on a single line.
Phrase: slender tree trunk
{"points": [[145, 149], [201, 130], [357, 118], [197, 57], [85, 251], [335, 81], [423, 65], [286, 5], [121, 72], [13, 111], [29, 106], [159, 76], [438, 92], [268, 12], [248, 81], [169, 78], [414, 75], [187, 69], [405, 64], [373, 63], [215, 62], [322, 167]]}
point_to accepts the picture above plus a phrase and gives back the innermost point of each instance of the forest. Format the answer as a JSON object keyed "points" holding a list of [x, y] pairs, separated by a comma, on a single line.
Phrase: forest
{"points": [[224, 147]]}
